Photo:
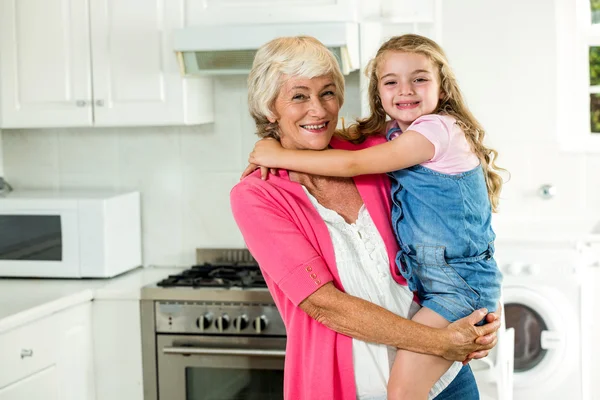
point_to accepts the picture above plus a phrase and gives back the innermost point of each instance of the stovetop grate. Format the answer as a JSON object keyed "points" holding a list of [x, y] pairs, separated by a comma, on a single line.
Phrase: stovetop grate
{"points": [[218, 275]]}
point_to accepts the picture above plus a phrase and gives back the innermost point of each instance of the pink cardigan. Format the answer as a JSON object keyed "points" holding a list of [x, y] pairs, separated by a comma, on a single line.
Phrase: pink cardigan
{"points": [[290, 241]]}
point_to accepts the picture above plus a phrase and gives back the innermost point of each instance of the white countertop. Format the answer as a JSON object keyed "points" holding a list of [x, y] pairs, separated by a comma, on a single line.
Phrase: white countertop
{"points": [[25, 300]]}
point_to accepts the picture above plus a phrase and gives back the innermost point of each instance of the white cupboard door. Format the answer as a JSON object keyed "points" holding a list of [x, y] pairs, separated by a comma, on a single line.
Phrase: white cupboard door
{"points": [[200, 12], [136, 76], [117, 350], [45, 74], [41, 385], [75, 354]]}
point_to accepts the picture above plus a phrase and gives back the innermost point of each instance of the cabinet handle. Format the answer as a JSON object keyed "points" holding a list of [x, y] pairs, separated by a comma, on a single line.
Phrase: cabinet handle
{"points": [[99, 103], [26, 353], [81, 103]]}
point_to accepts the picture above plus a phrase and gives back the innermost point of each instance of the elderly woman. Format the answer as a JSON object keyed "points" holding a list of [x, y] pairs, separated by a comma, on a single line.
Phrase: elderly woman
{"points": [[326, 246]]}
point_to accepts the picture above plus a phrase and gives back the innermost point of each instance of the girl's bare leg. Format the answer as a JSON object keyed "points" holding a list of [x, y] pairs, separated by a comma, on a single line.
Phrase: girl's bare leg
{"points": [[414, 374]]}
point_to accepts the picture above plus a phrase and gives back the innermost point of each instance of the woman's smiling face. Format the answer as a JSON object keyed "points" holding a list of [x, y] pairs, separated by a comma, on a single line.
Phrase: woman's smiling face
{"points": [[306, 111]]}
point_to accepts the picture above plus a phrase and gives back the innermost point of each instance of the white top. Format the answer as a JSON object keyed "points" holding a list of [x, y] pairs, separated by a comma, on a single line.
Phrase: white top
{"points": [[26, 300], [364, 269]]}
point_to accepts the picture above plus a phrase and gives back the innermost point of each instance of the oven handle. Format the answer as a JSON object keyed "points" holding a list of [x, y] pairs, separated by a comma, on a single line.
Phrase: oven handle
{"points": [[224, 352]]}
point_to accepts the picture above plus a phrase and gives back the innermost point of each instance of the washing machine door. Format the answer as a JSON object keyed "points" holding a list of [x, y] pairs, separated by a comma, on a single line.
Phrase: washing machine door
{"points": [[541, 325]]}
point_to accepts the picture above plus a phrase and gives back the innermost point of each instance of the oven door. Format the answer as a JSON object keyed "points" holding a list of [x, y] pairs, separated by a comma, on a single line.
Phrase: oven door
{"points": [[220, 368]]}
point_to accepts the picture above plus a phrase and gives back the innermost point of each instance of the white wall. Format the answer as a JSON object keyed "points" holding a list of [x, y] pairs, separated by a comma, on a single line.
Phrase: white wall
{"points": [[183, 173], [504, 57]]}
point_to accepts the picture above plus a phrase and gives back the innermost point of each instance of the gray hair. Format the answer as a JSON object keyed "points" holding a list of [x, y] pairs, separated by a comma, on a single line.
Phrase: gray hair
{"points": [[297, 56]]}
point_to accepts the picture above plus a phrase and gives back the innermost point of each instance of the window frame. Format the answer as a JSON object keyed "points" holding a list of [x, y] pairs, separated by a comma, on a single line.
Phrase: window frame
{"points": [[575, 34]]}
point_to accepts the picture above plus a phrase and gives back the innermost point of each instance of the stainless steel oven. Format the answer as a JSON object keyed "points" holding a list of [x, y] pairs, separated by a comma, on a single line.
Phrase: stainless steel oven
{"points": [[220, 368], [208, 336]]}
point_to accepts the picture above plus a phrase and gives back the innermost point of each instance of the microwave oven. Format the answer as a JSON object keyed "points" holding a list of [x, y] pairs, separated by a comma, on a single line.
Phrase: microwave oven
{"points": [[69, 234]]}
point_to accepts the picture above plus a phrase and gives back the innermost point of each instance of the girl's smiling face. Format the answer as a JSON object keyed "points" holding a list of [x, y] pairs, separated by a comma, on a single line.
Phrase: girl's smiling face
{"points": [[306, 111], [409, 86]]}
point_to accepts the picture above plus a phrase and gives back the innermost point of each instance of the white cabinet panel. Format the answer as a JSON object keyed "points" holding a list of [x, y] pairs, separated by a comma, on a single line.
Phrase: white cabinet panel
{"points": [[45, 69], [75, 354], [66, 63], [136, 76], [117, 349], [41, 385], [411, 11], [24, 351], [269, 11], [50, 358]]}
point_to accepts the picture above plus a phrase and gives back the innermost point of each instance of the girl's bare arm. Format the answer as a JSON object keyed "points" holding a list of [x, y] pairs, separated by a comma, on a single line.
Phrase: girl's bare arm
{"points": [[410, 148]]}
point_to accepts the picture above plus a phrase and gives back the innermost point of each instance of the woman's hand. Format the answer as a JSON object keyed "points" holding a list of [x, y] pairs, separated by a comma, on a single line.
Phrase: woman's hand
{"points": [[266, 152], [491, 317], [467, 341]]}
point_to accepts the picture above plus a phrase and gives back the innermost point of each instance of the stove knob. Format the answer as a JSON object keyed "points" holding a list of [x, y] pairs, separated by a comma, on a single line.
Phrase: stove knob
{"points": [[260, 324], [241, 322], [222, 322], [204, 321]]}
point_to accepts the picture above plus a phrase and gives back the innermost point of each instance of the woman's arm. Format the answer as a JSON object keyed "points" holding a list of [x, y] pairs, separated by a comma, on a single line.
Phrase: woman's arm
{"points": [[410, 148], [289, 259], [366, 321]]}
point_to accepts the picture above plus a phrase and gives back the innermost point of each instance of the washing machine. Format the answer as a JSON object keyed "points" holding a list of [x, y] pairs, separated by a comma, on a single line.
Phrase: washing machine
{"points": [[548, 303]]}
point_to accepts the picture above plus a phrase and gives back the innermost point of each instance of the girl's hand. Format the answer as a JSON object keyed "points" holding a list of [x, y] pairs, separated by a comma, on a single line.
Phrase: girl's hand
{"points": [[465, 340], [264, 171], [266, 153]]}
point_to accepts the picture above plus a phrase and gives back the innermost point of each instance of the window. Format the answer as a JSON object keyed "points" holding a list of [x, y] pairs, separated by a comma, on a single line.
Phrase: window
{"points": [[578, 72], [594, 67]]}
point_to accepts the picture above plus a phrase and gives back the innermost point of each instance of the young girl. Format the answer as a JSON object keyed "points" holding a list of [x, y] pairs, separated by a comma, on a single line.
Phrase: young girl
{"points": [[443, 190]]}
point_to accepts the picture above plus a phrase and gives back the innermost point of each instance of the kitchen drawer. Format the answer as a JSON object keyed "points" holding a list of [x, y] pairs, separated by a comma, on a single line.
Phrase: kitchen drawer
{"points": [[41, 385], [28, 349]]}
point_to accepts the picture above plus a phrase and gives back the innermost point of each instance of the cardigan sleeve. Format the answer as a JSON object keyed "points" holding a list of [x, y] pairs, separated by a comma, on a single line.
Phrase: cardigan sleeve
{"points": [[275, 239]]}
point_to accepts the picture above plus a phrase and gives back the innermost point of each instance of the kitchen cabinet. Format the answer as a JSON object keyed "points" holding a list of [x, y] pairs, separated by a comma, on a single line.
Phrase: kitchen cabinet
{"points": [[117, 349], [200, 12], [75, 63], [411, 11], [50, 358]]}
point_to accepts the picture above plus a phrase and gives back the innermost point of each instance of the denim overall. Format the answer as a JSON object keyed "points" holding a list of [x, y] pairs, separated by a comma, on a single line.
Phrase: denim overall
{"points": [[443, 225]]}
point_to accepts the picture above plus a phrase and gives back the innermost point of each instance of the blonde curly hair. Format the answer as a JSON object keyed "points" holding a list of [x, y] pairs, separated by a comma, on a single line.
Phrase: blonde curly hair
{"points": [[451, 103]]}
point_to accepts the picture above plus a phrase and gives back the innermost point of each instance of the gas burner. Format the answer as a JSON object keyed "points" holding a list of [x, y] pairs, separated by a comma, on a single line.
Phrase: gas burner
{"points": [[217, 275]]}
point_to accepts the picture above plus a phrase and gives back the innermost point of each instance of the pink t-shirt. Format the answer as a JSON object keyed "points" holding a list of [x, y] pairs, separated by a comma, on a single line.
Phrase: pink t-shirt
{"points": [[453, 153], [292, 245]]}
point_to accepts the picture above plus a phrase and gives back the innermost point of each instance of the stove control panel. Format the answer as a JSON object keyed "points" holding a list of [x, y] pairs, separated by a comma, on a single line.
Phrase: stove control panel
{"points": [[218, 318]]}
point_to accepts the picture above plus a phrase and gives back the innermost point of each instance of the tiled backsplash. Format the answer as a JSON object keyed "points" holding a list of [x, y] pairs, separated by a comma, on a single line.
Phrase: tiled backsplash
{"points": [[184, 173]]}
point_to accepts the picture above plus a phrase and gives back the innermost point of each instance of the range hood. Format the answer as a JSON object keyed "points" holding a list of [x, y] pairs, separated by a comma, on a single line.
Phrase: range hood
{"points": [[230, 49]]}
